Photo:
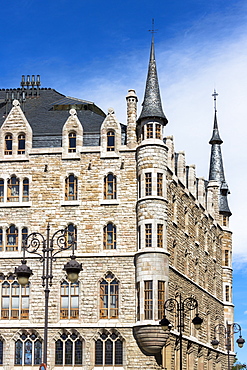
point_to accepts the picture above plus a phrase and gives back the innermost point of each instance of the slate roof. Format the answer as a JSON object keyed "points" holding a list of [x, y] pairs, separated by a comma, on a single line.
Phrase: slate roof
{"points": [[48, 112]]}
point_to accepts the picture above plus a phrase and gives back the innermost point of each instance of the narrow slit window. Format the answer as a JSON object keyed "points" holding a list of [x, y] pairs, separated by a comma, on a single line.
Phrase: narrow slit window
{"points": [[25, 196], [110, 141], [110, 236], [21, 144], [72, 142], [8, 144], [110, 187]]}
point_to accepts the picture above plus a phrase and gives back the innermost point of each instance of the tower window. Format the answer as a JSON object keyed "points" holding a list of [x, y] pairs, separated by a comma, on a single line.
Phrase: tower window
{"points": [[8, 144], [28, 350], [109, 350], [110, 141], [21, 144], [148, 235], [161, 298], [227, 293], [150, 134], [72, 142], [68, 350], [148, 183], [158, 131], [226, 261], [160, 235], [110, 236], [69, 300], [148, 300], [71, 188], [109, 297], [25, 196], [160, 184], [225, 220], [13, 189], [110, 187]]}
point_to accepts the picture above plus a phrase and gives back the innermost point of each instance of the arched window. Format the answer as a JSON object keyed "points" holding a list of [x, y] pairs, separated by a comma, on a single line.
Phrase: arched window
{"points": [[21, 144], [110, 186], [8, 144], [110, 141], [28, 350], [109, 350], [72, 235], [1, 190], [69, 300], [110, 236], [24, 233], [25, 195], [72, 142], [12, 238], [109, 297], [14, 299], [13, 189], [68, 350], [71, 188]]}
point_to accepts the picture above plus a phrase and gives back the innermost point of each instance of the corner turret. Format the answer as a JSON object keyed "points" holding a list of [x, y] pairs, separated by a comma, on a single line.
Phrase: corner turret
{"points": [[216, 170], [152, 117]]}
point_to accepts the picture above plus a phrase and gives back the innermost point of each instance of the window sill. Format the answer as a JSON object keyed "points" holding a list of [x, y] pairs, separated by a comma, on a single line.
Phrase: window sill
{"points": [[15, 204], [70, 203], [112, 154], [109, 202]]}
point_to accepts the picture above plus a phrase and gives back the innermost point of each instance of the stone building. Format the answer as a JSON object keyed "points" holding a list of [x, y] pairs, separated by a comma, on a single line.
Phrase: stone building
{"points": [[146, 229]]}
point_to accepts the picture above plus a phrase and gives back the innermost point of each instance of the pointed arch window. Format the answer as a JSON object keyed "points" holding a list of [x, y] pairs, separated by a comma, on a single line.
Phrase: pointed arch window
{"points": [[110, 186], [109, 350], [68, 350], [21, 144], [13, 189], [12, 238], [72, 142], [14, 300], [8, 144], [110, 141], [109, 297], [110, 236], [25, 195], [69, 300], [28, 350], [72, 235], [71, 187], [1, 190]]}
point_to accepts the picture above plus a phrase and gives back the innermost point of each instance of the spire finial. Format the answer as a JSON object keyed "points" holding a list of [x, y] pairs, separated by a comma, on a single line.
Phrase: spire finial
{"points": [[153, 31], [214, 95]]}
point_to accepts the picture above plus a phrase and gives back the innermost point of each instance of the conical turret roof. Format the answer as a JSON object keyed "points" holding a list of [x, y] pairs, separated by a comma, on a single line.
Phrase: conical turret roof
{"points": [[151, 106]]}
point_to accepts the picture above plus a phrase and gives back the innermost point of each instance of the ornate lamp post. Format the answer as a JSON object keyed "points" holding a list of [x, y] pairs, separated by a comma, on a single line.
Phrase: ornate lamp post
{"points": [[228, 332], [47, 249], [181, 307]]}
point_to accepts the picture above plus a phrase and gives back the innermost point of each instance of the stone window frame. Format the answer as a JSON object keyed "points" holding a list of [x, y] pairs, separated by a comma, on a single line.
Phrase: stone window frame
{"points": [[22, 198], [71, 351], [13, 294], [71, 187], [21, 348], [109, 288], [69, 290], [19, 235], [108, 183], [106, 233], [102, 359]]}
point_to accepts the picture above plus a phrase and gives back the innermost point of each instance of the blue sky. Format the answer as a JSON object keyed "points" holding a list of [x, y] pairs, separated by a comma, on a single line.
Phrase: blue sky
{"points": [[97, 50]]}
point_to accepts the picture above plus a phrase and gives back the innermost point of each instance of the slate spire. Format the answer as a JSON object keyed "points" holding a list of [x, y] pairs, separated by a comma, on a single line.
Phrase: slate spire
{"points": [[151, 106], [216, 169]]}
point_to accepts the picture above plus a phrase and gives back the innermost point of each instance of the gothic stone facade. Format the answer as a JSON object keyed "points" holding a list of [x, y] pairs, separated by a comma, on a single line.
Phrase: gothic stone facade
{"points": [[146, 230]]}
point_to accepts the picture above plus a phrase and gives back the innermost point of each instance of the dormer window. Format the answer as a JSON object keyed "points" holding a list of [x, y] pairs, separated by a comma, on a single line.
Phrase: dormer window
{"points": [[72, 142], [110, 141], [8, 144], [21, 144]]}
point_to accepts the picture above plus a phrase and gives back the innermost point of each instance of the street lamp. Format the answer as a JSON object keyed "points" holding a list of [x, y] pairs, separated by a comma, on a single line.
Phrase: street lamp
{"points": [[228, 331], [47, 249], [181, 307]]}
